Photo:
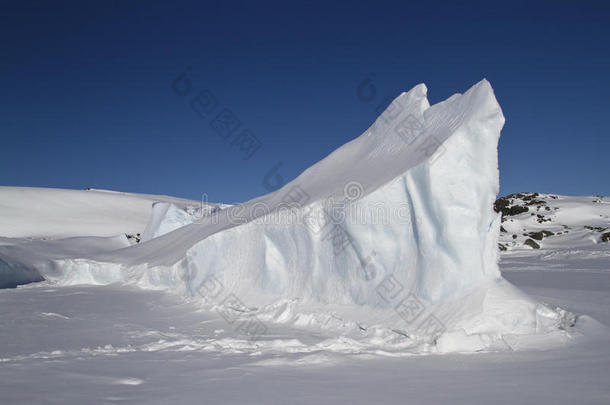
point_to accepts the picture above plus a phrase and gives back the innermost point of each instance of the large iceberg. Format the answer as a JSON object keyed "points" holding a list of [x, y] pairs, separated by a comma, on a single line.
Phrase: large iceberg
{"points": [[393, 234]]}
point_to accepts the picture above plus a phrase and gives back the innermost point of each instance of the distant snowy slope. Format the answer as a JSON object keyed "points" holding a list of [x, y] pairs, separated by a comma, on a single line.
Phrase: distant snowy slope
{"points": [[535, 221], [39, 225], [547, 232], [59, 213]]}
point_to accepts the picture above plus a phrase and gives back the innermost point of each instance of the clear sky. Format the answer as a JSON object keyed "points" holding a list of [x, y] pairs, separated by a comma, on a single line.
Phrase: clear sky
{"points": [[88, 97]]}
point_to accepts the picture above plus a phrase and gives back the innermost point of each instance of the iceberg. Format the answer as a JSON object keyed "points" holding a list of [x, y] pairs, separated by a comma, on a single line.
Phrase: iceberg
{"points": [[391, 236]]}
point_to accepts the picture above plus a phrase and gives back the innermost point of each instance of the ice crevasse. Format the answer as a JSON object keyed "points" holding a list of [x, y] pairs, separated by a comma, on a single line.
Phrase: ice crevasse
{"points": [[393, 231]]}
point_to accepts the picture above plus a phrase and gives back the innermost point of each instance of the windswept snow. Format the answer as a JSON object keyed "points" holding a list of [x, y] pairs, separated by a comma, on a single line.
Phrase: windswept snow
{"points": [[110, 344]]}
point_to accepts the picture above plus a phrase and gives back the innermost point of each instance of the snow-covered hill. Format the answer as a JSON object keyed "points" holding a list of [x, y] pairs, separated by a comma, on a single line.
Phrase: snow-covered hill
{"points": [[554, 233], [38, 225], [29, 212], [534, 221]]}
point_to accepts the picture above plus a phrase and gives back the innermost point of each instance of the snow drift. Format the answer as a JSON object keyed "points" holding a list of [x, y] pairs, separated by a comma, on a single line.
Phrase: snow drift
{"points": [[392, 237]]}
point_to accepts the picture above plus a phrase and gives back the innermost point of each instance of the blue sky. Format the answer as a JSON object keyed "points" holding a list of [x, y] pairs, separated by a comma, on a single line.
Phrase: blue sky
{"points": [[87, 100]]}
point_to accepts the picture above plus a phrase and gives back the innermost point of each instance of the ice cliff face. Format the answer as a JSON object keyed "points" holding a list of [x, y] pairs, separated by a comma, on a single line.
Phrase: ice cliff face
{"points": [[419, 210], [395, 229]]}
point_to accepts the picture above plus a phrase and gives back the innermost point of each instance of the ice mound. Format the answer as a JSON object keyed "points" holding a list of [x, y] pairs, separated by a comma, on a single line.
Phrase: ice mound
{"points": [[166, 217], [391, 238]]}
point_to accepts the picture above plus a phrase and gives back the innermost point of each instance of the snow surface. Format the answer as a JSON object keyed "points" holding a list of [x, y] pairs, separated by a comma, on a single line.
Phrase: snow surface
{"points": [[113, 344], [121, 344]]}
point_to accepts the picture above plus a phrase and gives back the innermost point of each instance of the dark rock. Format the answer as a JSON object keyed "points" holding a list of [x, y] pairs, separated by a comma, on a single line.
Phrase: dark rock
{"points": [[536, 202], [501, 204], [536, 235], [531, 243], [595, 228], [516, 210], [137, 237]]}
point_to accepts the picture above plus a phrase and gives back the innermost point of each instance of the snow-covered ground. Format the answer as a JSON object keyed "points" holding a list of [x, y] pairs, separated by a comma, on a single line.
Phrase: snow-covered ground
{"points": [[371, 278], [113, 344], [116, 344]]}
